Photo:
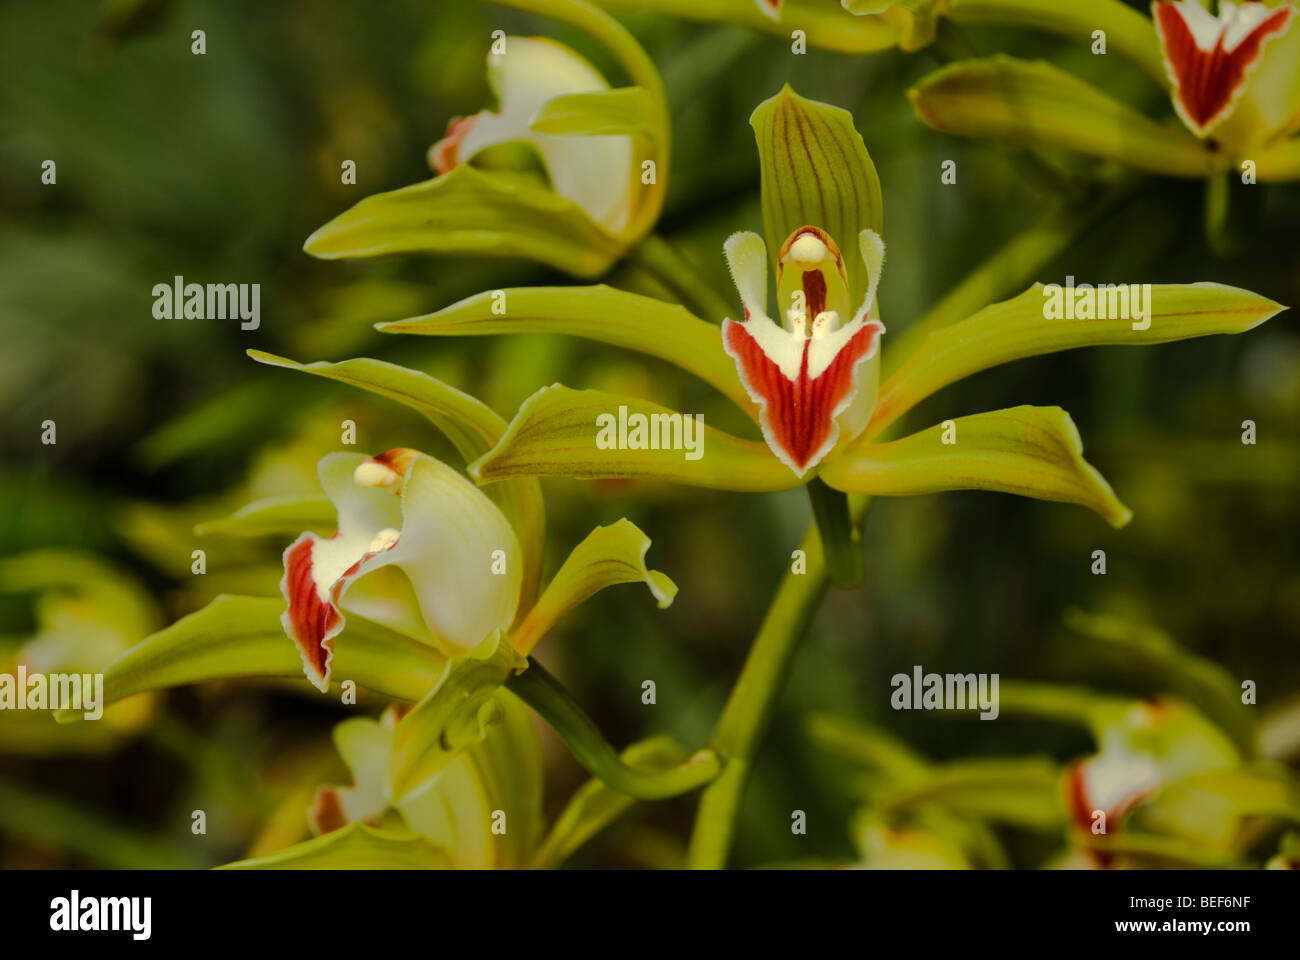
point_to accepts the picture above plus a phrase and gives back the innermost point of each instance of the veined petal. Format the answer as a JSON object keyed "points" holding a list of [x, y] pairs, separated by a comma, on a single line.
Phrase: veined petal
{"points": [[402, 508], [593, 171], [1210, 59], [1029, 451], [608, 556]]}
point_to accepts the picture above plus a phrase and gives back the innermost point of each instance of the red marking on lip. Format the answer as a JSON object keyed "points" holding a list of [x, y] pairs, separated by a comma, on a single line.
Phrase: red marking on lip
{"points": [[799, 414], [445, 152], [1207, 82]]}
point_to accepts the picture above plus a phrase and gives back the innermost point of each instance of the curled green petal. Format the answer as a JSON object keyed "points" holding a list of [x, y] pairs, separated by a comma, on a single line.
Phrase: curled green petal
{"points": [[595, 804], [915, 20], [625, 110], [816, 172], [1277, 163], [471, 425], [1029, 451], [242, 637], [541, 691], [272, 515], [622, 319], [355, 847], [1034, 104], [452, 716], [584, 434], [1027, 326], [608, 556], [468, 211], [1022, 791]]}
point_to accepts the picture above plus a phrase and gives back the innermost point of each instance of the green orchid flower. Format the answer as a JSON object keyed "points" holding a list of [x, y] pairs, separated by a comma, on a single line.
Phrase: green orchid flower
{"points": [[1233, 80], [809, 379], [484, 811], [604, 152]]}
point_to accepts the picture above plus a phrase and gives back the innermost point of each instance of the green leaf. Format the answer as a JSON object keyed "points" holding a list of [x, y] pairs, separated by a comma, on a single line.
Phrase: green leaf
{"points": [[242, 637], [355, 847], [608, 556], [816, 171], [1029, 451], [554, 434], [625, 110], [1019, 328], [452, 717], [1035, 104], [472, 427], [471, 212], [553, 703], [595, 805], [628, 320], [275, 515]]}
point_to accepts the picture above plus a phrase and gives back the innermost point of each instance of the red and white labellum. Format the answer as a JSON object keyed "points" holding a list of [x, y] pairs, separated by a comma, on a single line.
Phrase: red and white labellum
{"points": [[804, 374], [771, 8], [1210, 59], [408, 510]]}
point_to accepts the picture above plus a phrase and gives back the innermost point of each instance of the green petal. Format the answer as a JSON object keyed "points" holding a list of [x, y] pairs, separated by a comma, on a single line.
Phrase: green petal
{"points": [[1035, 104], [1018, 328], [828, 27], [452, 717], [625, 110], [816, 172], [275, 515], [355, 847], [1029, 451], [610, 555], [471, 212], [1277, 163], [628, 320], [243, 637], [554, 435], [1021, 791], [471, 426], [915, 20], [595, 805]]}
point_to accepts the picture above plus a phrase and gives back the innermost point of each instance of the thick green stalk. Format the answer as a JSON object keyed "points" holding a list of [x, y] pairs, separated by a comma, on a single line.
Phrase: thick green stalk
{"points": [[554, 704], [749, 709], [840, 542]]}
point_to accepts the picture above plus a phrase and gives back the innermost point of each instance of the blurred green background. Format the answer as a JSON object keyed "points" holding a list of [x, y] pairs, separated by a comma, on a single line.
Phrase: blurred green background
{"points": [[217, 167]]}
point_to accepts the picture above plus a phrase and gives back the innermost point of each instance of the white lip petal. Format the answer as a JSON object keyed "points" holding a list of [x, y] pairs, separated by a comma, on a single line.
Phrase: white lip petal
{"points": [[747, 259], [594, 172]]}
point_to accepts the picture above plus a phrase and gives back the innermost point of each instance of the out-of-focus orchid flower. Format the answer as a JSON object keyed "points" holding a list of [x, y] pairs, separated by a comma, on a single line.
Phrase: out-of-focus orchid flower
{"points": [[809, 378], [1233, 79], [604, 152], [595, 172]]}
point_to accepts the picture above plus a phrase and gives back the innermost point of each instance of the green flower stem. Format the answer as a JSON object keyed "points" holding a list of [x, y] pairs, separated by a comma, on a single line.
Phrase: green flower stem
{"points": [[840, 541], [541, 691], [659, 258], [749, 709]]}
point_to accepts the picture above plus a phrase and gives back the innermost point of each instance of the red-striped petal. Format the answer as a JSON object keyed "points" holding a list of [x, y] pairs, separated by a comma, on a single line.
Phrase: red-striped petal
{"points": [[1207, 82], [798, 415]]}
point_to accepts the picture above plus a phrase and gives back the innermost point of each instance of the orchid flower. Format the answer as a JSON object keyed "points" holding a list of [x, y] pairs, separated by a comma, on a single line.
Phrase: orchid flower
{"points": [[1233, 80], [448, 823], [604, 151], [809, 382]]}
